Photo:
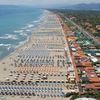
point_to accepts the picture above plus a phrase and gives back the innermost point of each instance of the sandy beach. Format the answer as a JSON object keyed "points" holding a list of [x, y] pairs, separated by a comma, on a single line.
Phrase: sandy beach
{"points": [[38, 69]]}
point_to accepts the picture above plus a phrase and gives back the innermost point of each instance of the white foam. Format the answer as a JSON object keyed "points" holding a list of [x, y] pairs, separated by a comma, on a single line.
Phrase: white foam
{"points": [[27, 30], [36, 21], [8, 48], [18, 31], [5, 45], [23, 34], [9, 36], [30, 25]]}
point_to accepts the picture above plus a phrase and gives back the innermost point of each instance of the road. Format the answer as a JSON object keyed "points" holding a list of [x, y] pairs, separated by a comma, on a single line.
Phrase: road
{"points": [[97, 42]]}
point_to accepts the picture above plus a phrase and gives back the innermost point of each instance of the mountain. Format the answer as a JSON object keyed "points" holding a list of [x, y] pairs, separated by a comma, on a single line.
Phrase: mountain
{"points": [[83, 6]]}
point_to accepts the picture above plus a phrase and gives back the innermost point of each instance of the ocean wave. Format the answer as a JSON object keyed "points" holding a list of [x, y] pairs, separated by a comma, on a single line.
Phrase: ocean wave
{"points": [[35, 21], [9, 36], [23, 28], [28, 30], [23, 34], [27, 27], [22, 43], [8, 48], [18, 31], [5, 45], [30, 25]]}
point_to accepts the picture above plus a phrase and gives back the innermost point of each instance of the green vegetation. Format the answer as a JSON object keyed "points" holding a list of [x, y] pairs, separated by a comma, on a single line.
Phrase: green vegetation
{"points": [[87, 19], [69, 94], [89, 94], [95, 95]]}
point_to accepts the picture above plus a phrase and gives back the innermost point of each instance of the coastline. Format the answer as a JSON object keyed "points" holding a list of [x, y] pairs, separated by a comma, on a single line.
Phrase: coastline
{"points": [[6, 61], [23, 43], [46, 44]]}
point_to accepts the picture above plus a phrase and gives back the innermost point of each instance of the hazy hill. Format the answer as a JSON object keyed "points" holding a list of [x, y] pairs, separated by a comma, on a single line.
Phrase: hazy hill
{"points": [[83, 6]]}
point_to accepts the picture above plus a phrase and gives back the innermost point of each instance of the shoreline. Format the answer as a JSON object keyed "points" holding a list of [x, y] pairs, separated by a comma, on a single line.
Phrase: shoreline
{"points": [[40, 63], [18, 47]]}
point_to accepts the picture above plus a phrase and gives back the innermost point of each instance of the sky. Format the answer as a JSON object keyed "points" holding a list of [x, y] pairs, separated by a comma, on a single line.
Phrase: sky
{"points": [[46, 3]]}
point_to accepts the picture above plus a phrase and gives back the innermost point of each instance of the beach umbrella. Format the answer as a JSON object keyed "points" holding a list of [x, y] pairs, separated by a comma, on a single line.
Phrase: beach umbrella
{"points": [[2, 93]]}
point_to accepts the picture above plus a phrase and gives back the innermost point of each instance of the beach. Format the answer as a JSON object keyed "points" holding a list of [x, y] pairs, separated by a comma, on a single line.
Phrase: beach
{"points": [[38, 69]]}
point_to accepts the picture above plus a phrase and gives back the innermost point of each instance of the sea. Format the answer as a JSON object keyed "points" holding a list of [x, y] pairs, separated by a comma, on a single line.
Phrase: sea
{"points": [[16, 26]]}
